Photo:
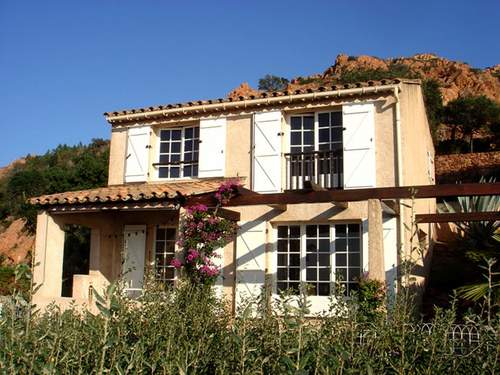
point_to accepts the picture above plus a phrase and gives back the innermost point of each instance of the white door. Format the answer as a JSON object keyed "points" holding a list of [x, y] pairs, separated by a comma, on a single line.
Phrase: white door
{"points": [[267, 152], [134, 252], [359, 145], [212, 158], [137, 156], [250, 260]]}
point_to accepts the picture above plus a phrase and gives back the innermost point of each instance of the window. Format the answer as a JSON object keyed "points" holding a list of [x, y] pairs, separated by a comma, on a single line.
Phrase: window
{"points": [[321, 134], [164, 254], [315, 150], [318, 255], [179, 152]]}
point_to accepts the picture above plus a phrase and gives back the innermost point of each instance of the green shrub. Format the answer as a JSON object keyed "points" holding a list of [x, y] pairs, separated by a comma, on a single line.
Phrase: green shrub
{"points": [[189, 331]]}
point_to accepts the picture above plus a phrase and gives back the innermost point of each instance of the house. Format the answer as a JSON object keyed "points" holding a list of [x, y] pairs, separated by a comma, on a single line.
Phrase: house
{"points": [[359, 136]]}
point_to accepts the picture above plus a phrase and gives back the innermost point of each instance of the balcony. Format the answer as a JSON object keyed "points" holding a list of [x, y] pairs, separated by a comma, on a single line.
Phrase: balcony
{"points": [[323, 168]]}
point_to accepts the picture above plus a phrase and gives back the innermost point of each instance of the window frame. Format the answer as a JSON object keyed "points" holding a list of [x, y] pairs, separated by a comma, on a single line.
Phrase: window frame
{"points": [[181, 153], [332, 253], [153, 252], [315, 128]]}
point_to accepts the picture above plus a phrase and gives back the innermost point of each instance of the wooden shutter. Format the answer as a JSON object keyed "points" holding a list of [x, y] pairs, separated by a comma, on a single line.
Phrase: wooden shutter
{"points": [[359, 146], [250, 260], [267, 152], [134, 254], [137, 156], [212, 160], [391, 251]]}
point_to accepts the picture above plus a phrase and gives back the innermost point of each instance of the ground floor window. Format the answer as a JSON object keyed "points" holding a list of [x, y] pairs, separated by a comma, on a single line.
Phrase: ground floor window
{"points": [[164, 254], [318, 255]]}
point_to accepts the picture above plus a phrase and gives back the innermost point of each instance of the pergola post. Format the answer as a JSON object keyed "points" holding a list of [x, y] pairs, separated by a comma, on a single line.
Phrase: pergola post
{"points": [[49, 255], [376, 269]]}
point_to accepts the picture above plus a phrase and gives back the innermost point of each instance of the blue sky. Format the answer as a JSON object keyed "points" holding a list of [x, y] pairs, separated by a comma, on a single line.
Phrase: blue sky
{"points": [[64, 63]]}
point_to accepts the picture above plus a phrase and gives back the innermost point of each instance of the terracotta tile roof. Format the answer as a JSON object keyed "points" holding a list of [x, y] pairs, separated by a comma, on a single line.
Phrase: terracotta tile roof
{"points": [[131, 192], [259, 95]]}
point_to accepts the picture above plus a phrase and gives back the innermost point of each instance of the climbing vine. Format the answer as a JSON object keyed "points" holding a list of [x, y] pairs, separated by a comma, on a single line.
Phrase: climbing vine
{"points": [[202, 232]]}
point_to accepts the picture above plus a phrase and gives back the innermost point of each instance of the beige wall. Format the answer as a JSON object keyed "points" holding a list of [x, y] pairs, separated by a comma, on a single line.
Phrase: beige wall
{"points": [[238, 147], [117, 150]]}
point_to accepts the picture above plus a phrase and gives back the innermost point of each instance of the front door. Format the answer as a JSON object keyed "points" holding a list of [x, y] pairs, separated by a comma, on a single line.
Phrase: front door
{"points": [[133, 258]]}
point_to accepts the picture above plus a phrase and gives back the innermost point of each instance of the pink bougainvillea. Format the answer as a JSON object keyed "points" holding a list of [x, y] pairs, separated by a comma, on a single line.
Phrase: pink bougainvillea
{"points": [[202, 233]]}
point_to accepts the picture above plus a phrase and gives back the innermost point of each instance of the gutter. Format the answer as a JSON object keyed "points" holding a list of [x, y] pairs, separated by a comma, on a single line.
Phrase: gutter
{"points": [[224, 106]]}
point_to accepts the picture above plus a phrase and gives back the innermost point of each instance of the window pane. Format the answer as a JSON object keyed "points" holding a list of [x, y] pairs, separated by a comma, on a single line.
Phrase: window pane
{"points": [[324, 289], [311, 245], [354, 274], [354, 259], [337, 134], [164, 159], [311, 274], [295, 138], [294, 231], [169, 273], [341, 274], [294, 274], [336, 118], [294, 246], [295, 260], [324, 259], [296, 122], [341, 260], [340, 245], [324, 135], [176, 134], [324, 231], [188, 146], [324, 274], [340, 230], [165, 135], [174, 172], [311, 230], [282, 246], [281, 287], [353, 229], [187, 171], [353, 245], [163, 172], [324, 120], [324, 245], [282, 274], [160, 234], [311, 260], [188, 133], [282, 232], [171, 234], [176, 147], [175, 158]]}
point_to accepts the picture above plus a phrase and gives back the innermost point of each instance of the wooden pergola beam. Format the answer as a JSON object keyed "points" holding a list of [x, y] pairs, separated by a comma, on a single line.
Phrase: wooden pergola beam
{"points": [[249, 198], [458, 217]]}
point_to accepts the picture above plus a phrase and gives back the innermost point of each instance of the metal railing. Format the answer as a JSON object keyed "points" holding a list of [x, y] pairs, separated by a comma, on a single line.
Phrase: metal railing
{"points": [[323, 168]]}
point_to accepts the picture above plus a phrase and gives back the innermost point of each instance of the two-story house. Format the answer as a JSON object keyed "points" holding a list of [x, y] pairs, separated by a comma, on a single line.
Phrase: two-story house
{"points": [[358, 136]]}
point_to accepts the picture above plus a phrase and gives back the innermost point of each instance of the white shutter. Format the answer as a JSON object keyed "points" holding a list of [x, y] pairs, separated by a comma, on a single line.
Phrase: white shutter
{"points": [[212, 160], [133, 258], [267, 152], [250, 260], [359, 145], [137, 156], [390, 251]]}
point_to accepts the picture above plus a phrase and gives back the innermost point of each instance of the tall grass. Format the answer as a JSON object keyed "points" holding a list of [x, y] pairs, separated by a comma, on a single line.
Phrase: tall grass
{"points": [[189, 331]]}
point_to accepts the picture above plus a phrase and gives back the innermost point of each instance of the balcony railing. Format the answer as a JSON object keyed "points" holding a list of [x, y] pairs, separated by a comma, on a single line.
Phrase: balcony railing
{"points": [[324, 168]]}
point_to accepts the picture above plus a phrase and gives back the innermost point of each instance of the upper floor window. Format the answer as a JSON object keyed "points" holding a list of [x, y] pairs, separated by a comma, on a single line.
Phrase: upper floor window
{"points": [[320, 132], [315, 150], [178, 154]]}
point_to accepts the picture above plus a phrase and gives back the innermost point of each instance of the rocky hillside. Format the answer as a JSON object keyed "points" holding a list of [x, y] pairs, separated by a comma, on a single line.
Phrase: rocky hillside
{"points": [[455, 78]]}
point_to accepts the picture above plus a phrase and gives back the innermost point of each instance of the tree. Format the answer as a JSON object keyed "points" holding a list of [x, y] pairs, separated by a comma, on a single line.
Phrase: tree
{"points": [[471, 114], [433, 103], [272, 83]]}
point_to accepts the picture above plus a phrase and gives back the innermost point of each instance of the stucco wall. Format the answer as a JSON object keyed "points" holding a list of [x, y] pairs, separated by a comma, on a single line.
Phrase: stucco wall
{"points": [[118, 147]]}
